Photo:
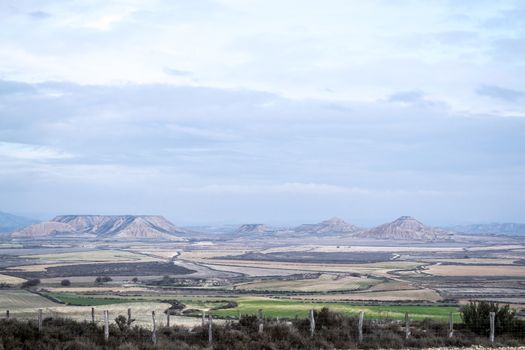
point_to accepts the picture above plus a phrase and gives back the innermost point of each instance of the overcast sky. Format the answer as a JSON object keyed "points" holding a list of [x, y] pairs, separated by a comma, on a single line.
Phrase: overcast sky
{"points": [[274, 111]]}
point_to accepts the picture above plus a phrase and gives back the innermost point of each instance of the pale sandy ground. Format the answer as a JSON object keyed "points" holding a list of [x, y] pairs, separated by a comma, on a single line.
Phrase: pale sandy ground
{"points": [[141, 312], [252, 271], [364, 268], [345, 248], [10, 279], [463, 270]]}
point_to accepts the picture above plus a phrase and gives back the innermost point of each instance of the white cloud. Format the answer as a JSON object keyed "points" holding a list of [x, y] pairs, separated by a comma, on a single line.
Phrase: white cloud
{"points": [[25, 151], [305, 189], [338, 50]]}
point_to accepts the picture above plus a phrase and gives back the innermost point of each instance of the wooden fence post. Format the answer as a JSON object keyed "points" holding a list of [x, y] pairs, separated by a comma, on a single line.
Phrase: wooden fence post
{"points": [[492, 316], [93, 315], [106, 325], [203, 318], [312, 323], [7, 314], [129, 316], [154, 332], [39, 320], [168, 319], [210, 330], [360, 326], [407, 326], [450, 325], [261, 321]]}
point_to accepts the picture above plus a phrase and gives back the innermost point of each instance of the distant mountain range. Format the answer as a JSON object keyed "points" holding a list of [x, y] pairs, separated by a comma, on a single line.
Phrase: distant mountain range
{"points": [[10, 222], [405, 228], [511, 229], [106, 227], [151, 227]]}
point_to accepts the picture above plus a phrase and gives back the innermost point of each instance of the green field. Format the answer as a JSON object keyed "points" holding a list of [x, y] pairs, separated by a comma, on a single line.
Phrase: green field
{"points": [[292, 308], [200, 303], [273, 307]]}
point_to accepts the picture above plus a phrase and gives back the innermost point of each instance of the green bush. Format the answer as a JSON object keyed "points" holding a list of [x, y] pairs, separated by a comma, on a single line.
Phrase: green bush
{"points": [[476, 316]]}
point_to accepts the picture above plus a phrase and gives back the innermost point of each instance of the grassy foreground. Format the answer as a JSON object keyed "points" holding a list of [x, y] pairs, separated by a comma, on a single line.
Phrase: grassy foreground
{"points": [[332, 331], [292, 308], [280, 307]]}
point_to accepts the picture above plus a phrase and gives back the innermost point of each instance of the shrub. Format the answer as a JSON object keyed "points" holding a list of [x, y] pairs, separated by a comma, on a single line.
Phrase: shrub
{"points": [[65, 283], [476, 317], [31, 283], [103, 279]]}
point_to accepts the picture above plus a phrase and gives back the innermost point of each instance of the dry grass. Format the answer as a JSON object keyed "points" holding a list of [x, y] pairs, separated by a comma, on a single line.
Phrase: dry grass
{"points": [[493, 261], [345, 248], [391, 285], [465, 270], [24, 305], [363, 268], [325, 283], [10, 279], [210, 253], [94, 256], [95, 289], [16, 300]]}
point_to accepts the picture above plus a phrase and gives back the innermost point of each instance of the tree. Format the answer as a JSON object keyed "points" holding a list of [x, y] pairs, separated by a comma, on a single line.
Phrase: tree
{"points": [[476, 317], [65, 283], [103, 279], [135, 280], [31, 283]]}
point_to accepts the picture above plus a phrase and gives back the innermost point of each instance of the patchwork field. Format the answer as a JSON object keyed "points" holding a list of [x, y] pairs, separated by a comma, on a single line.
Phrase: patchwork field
{"points": [[227, 278]]}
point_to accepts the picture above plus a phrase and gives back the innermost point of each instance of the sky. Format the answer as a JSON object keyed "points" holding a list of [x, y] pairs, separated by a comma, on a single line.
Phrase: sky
{"points": [[267, 111]]}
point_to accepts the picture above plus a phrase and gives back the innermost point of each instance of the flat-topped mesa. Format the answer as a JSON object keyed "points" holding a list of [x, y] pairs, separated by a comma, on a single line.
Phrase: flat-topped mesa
{"points": [[406, 228], [331, 226], [108, 227]]}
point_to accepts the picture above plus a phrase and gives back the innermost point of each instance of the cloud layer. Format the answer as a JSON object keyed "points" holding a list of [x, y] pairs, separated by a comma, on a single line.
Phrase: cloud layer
{"points": [[232, 111]]}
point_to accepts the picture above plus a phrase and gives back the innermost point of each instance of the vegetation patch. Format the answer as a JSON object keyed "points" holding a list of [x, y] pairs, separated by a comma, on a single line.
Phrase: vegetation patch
{"points": [[296, 308], [87, 300], [111, 269]]}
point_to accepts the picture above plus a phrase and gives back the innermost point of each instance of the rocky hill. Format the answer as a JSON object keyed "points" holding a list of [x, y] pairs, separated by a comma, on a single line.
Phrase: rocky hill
{"points": [[108, 227], [330, 226], [406, 228], [253, 228]]}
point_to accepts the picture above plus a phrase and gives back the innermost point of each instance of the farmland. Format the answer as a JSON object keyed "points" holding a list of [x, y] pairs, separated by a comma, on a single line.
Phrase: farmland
{"points": [[284, 279], [292, 308]]}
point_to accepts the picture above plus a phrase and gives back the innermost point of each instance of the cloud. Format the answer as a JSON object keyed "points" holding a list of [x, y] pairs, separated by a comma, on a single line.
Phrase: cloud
{"points": [[13, 87], [407, 96], [444, 49], [39, 15], [177, 72], [500, 93], [415, 98], [31, 152], [315, 189]]}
